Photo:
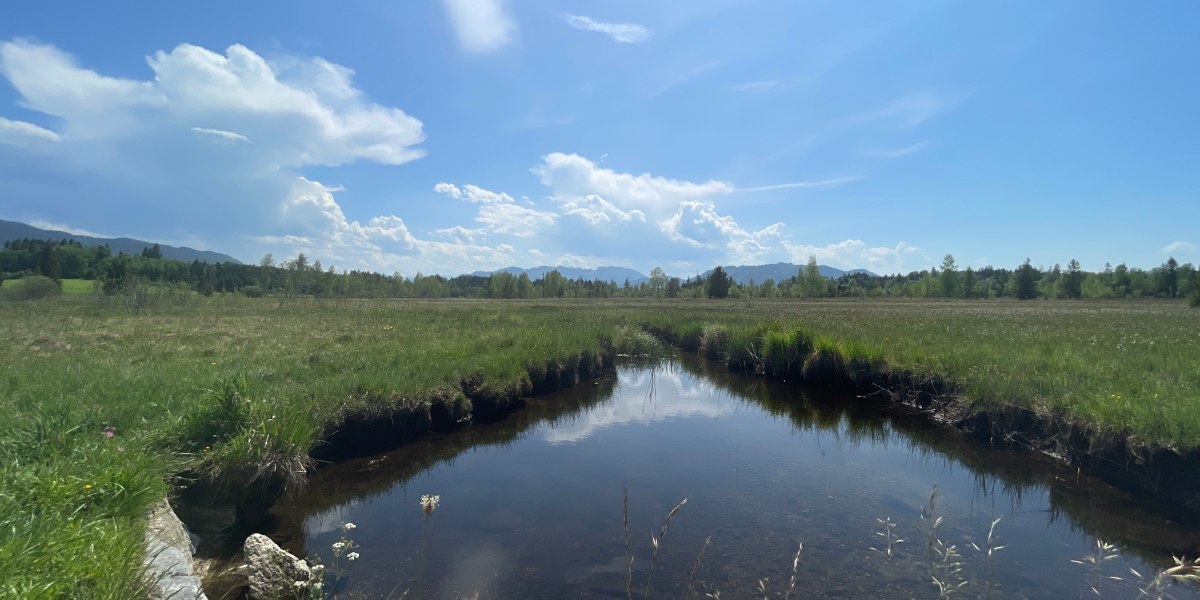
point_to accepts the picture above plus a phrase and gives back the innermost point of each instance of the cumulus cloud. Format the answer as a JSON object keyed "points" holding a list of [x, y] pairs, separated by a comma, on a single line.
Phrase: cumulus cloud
{"points": [[513, 219], [383, 243], [320, 120], [472, 193], [676, 221], [572, 177], [21, 133], [627, 33], [596, 210], [202, 136], [699, 225], [855, 254], [481, 25], [498, 213]]}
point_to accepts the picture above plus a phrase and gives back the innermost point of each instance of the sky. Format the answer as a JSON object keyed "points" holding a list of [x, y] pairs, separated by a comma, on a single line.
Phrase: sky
{"points": [[449, 136]]}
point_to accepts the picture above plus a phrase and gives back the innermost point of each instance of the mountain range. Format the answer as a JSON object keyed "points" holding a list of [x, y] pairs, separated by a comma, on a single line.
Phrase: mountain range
{"points": [[741, 274], [780, 271], [11, 230], [617, 274]]}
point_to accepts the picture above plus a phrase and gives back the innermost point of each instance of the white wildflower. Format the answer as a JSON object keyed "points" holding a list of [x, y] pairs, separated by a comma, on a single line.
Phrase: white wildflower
{"points": [[352, 556], [429, 502], [348, 526]]}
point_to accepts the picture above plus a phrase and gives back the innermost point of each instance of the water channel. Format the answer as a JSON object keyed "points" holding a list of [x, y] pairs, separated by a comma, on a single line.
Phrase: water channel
{"points": [[532, 506]]}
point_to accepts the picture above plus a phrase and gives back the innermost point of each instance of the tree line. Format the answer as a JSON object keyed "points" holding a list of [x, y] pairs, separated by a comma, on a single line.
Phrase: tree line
{"points": [[119, 273]]}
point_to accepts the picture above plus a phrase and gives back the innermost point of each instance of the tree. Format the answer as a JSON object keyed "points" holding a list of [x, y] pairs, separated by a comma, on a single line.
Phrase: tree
{"points": [[658, 282], [969, 283], [1121, 281], [152, 252], [718, 283], [673, 286], [1026, 289], [1171, 277], [951, 284], [1073, 282], [813, 283]]}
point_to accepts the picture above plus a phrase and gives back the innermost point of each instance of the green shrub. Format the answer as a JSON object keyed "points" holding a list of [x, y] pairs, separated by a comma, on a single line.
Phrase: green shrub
{"points": [[1194, 299], [252, 291], [714, 341], [31, 287]]}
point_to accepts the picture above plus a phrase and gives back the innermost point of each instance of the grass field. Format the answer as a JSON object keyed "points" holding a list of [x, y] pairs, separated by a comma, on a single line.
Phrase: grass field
{"points": [[69, 286], [103, 406]]}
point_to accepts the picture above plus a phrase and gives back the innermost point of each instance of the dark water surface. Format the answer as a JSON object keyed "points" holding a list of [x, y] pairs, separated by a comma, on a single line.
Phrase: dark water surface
{"points": [[531, 507]]}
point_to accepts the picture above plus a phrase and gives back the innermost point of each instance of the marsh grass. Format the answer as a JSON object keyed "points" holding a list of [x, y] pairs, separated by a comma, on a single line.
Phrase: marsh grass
{"points": [[260, 382]]}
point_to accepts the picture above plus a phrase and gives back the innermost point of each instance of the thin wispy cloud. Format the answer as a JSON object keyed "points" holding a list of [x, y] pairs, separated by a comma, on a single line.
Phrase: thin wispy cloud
{"points": [[908, 111], [626, 33], [481, 25], [44, 224], [754, 87], [802, 184], [1179, 247], [896, 153], [691, 74], [20, 133], [221, 135]]}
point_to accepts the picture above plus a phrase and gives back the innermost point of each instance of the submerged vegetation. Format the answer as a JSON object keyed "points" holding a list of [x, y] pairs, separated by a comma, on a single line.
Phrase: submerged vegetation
{"points": [[107, 408]]}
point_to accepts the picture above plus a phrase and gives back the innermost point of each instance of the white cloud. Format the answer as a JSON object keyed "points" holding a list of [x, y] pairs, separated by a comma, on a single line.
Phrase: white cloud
{"points": [[897, 152], [699, 225], [461, 234], [448, 189], [628, 33], [855, 254], [498, 213], [579, 262], [596, 210], [687, 76], [755, 87], [472, 193], [802, 184], [1179, 247], [322, 121], [138, 144], [384, 243], [513, 219], [22, 133], [908, 111], [221, 135], [481, 25], [44, 224], [572, 178]]}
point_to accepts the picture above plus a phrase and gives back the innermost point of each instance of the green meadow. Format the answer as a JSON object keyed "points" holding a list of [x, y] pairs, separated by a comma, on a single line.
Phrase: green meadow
{"points": [[106, 406]]}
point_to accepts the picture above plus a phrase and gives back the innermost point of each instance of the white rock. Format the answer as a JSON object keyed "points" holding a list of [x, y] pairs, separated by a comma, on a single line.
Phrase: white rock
{"points": [[273, 570], [169, 549]]}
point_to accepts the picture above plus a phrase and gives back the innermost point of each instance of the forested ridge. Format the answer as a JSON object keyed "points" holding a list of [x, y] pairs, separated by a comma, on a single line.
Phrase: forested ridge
{"points": [[121, 273]]}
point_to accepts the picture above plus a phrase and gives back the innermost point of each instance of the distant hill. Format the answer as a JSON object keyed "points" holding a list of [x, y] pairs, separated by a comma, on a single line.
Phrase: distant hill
{"points": [[11, 230], [780, 271], [617, 274]]}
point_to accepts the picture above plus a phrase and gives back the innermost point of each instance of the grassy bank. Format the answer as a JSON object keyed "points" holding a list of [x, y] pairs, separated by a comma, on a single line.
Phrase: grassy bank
{"points": [[104, 405]]}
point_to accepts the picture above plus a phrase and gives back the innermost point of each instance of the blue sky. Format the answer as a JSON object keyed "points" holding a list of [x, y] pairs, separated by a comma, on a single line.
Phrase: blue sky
{"points": [[455, 135]]}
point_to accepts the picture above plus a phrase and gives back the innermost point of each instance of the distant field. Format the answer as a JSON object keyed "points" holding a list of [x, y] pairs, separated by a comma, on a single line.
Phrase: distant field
{"points": [[69, 286], [77, 286], [169, 383]]}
